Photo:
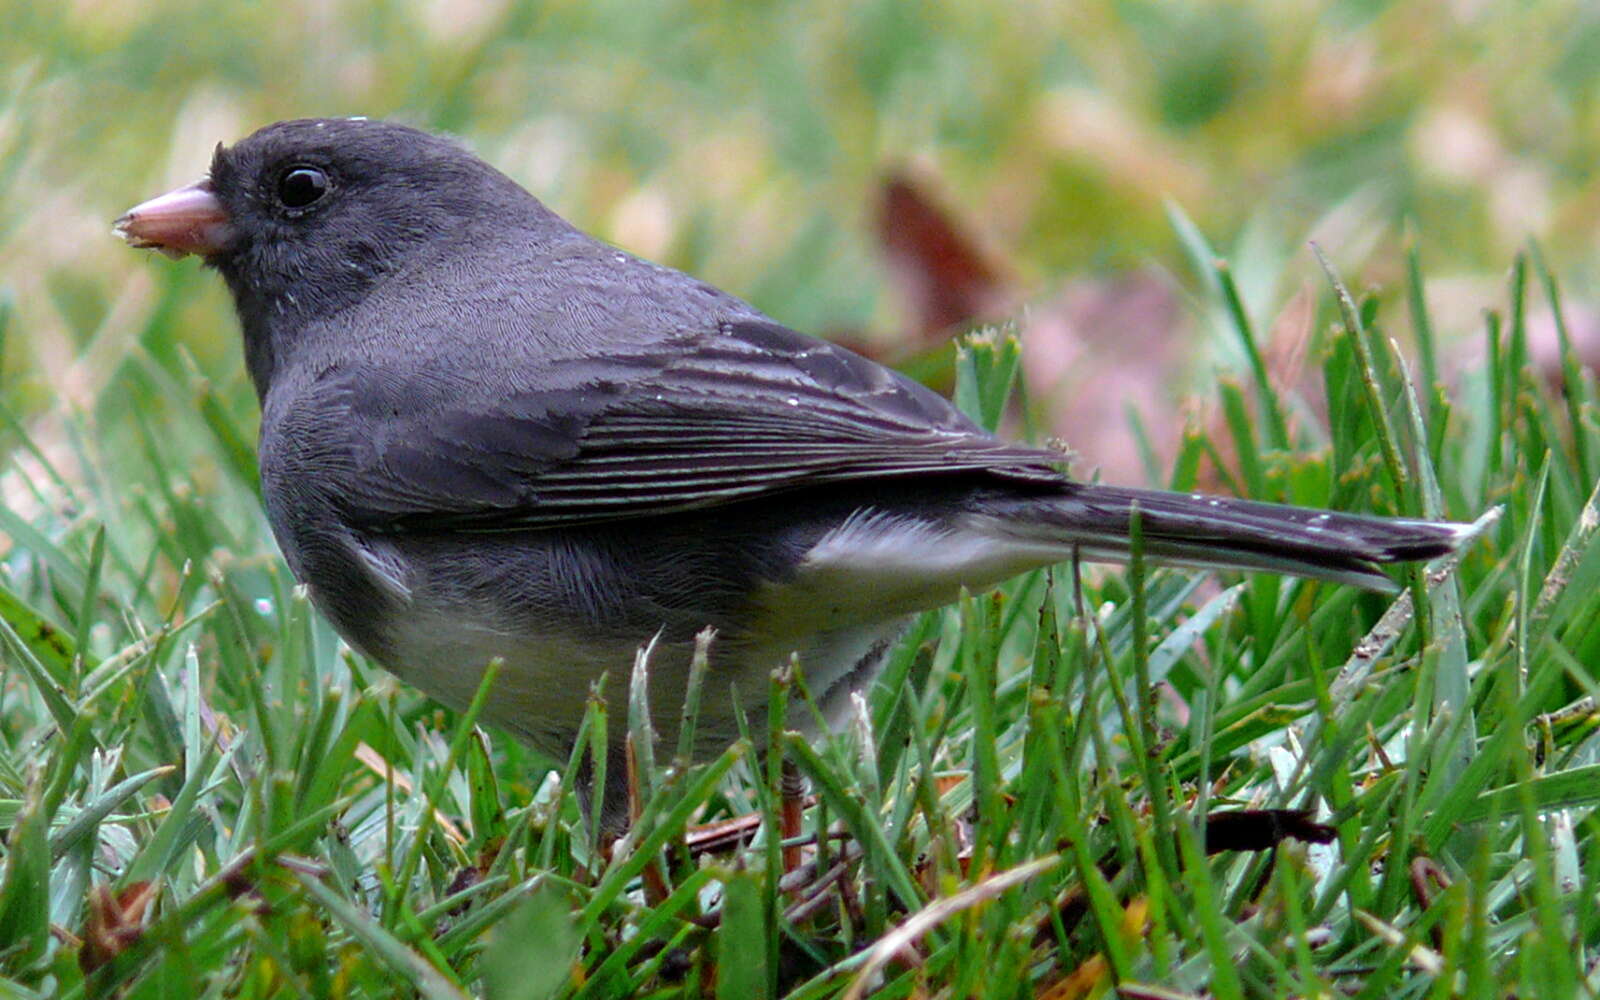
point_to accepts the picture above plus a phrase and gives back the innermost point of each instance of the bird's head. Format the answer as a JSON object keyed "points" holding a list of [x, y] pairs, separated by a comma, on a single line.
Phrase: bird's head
{"points": [[306, 216]]}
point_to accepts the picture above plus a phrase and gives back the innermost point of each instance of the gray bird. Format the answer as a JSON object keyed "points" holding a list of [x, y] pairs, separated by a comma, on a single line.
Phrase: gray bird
{"points": [[486, 434]]}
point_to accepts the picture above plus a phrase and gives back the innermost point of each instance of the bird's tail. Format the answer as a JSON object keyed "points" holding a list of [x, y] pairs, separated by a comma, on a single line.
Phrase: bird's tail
{"points": [[1193, 529]]}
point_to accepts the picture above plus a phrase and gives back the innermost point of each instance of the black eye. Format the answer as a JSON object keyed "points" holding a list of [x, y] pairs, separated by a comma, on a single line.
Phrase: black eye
{"points": [[302, 186]]}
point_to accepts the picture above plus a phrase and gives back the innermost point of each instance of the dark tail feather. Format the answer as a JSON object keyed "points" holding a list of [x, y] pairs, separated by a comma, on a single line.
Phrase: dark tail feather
{"points": [[1192, 529]]}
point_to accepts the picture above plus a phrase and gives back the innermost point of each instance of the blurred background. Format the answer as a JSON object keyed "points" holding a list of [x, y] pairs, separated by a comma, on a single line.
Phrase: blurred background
{"points": [[883, 173]]}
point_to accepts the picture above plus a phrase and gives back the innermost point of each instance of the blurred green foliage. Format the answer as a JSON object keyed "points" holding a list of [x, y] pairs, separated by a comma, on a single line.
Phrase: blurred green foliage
{"points": [[745, 141], [750, 144]]}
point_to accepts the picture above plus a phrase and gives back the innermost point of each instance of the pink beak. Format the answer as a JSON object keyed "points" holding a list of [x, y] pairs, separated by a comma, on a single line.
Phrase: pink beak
{"points": [[187, 220]]}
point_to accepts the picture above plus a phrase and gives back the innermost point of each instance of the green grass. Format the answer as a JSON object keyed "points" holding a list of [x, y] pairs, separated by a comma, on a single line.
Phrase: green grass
{"points": [[1021, 801], [202, 792]]}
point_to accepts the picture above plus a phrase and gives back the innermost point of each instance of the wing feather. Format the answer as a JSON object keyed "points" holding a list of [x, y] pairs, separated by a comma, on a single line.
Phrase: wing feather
{"points": [[752, 409]]}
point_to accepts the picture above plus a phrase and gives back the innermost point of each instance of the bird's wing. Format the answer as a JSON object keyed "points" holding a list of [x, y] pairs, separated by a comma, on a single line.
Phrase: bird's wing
{"points": [[751, 409]]}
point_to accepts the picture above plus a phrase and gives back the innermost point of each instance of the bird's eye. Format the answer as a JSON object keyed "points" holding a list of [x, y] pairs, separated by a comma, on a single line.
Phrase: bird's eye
{"points": [[299, 187]]}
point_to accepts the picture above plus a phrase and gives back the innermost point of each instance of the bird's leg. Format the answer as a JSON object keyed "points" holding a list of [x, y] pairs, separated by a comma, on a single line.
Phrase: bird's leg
{"points": [[792, 805], [655, 884]]}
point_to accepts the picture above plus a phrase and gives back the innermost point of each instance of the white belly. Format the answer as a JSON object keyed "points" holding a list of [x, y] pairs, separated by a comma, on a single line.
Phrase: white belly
{"points": [[544, 684]]}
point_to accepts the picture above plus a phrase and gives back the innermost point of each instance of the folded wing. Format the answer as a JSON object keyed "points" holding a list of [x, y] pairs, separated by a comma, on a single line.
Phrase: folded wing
{"points": [[750, 409]]}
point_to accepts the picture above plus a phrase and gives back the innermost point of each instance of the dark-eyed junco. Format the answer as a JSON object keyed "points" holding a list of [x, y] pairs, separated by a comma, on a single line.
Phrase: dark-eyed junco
{"points": [[485, 434]]}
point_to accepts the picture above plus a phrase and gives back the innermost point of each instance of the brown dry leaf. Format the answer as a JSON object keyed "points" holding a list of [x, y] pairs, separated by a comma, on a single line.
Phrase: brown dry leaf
{"points": [[901, 942], [1263, 829], [1080, 982], [376, 763], [1092, 971], [115, 921], [940, 275]]}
